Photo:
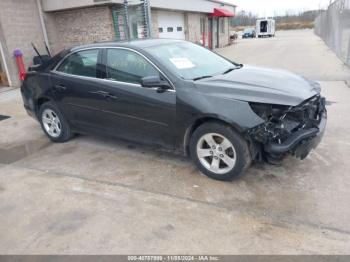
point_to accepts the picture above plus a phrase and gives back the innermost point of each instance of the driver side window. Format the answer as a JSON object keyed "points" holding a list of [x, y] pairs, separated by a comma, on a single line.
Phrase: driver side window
{"points": [[128, 66]]}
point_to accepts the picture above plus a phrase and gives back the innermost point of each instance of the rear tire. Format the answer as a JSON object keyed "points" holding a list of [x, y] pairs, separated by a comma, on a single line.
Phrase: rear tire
{"points": [[54, 123], [219, 152]]}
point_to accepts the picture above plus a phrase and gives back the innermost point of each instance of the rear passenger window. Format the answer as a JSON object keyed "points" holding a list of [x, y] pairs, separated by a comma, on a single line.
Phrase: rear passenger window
{"points": [[83, 63]]}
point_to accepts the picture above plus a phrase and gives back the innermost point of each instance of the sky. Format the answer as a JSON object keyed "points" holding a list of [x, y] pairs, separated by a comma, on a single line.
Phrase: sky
{"points": [[270, 7]]}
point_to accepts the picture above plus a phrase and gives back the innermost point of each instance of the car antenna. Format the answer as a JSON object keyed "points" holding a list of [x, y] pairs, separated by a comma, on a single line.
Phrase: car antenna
{"points": [[47, 50], [36, 51]]}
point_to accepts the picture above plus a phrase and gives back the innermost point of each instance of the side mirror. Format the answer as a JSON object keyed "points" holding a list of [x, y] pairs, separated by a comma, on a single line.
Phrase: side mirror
{"points": [[154, 81]]}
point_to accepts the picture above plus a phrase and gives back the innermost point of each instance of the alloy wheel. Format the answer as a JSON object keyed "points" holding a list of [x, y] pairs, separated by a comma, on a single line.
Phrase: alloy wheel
{"points": [[216, 153], [51, 123]]}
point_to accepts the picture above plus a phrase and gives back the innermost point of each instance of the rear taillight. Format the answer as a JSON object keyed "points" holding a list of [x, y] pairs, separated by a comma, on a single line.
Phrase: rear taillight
{"points": [[23, 76]]}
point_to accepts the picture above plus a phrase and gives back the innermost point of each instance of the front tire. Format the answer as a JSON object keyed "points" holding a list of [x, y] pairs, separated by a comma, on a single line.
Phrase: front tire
{"points": [[54, 123], [219, 152]]}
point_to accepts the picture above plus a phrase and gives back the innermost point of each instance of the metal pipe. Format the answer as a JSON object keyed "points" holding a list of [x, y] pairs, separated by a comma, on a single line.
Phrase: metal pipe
{"points": [[43, 27], [148, 14], [126, 17]]}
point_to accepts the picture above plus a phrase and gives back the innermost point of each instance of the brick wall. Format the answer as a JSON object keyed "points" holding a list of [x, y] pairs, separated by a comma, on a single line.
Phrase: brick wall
{"points": [[79, 26], [54, 37], [19, 26]]}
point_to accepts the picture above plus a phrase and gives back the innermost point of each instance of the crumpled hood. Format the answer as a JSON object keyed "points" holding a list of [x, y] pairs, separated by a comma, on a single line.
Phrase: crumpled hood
{"points": [[261, 85]]}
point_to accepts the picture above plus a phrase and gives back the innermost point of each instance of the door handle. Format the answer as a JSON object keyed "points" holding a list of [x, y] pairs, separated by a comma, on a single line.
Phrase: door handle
{"points": [[60, 87], [111, 96], [104, 94]]}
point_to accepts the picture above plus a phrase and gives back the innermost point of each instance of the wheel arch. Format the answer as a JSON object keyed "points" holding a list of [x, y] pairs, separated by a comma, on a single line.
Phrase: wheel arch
{"points": [[200, 121], [39, 102]]}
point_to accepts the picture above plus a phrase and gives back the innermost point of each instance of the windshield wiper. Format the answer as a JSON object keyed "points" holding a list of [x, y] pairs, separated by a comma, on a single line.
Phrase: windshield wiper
{"points": [[201, 77], [226, 72], [232, 68], [229, 70]]}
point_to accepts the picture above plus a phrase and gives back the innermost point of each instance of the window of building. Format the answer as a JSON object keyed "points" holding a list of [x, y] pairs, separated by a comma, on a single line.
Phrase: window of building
{"points": [[83, 63], [179, 28], [128, 66], [170, 29], [222, 25], [160, 29]]}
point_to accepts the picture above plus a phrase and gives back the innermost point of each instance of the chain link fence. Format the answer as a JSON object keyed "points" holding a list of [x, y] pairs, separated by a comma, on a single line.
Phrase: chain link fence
{"points": [[333, 26]]}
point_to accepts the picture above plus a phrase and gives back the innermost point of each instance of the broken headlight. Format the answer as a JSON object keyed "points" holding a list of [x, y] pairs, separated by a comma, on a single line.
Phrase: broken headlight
{"points": [[268, 112], [277, 126], [282, 121]]}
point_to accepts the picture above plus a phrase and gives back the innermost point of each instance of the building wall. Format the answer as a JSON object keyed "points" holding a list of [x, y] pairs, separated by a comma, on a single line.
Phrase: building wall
{"points": [[193, 31], [224, 37], [52, 33], [201, 6], [19, 26], [206, 30], [79, 26], [59, 5], [154, 28]]}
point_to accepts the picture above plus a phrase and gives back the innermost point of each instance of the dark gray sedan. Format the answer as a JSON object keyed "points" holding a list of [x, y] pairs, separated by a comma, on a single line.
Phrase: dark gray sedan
{"points": [[179, 95]]}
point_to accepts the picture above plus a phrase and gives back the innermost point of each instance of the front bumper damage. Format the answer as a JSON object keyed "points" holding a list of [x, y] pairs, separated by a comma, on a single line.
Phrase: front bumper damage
{"points": [[301, 142], [296, 130]]}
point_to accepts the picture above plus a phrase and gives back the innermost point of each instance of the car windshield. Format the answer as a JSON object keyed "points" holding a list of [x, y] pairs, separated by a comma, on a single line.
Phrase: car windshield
{"points": [[191, 61]]}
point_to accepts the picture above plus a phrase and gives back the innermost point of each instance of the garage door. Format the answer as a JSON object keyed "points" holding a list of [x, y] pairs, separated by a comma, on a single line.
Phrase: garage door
{"points": [[171, 25]]}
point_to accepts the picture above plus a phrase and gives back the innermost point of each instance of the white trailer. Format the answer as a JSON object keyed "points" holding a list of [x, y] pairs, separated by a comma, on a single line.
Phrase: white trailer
{"points": [[265, 27]]}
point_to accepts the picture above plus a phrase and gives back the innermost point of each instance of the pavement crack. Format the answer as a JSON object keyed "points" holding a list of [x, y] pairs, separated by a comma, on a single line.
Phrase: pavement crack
{"points": [[347, 83]]}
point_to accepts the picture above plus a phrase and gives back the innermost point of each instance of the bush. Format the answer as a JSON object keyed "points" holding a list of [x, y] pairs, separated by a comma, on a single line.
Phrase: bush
{"points": [[296, 25]]}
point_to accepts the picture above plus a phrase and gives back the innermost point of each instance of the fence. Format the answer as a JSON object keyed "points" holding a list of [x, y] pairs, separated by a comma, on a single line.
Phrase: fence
{"points": [[333, 26]]}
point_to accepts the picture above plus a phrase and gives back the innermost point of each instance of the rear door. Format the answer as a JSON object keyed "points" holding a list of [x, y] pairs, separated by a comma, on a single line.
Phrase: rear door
{"points": [[76, 83]]}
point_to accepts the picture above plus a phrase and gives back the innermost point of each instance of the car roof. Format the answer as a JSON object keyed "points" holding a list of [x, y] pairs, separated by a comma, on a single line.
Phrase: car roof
{"points": [[140, 43]]}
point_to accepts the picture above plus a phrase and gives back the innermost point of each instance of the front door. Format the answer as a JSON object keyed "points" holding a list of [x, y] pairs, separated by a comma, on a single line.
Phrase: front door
{"points": [[143, 114]]}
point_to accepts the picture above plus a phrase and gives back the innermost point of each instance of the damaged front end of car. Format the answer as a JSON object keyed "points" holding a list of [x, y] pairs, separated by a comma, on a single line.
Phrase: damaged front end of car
{"points": [[292, 130]]}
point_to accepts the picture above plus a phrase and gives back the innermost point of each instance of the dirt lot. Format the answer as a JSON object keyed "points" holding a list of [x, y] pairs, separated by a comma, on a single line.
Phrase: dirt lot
{"points": [[103, 196]]}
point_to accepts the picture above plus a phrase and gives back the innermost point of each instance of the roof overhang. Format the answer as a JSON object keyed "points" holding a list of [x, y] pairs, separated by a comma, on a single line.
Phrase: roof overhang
{"points": [[200, 6], [221, 12], [197, 6], [59, 5], [222, 3]]}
